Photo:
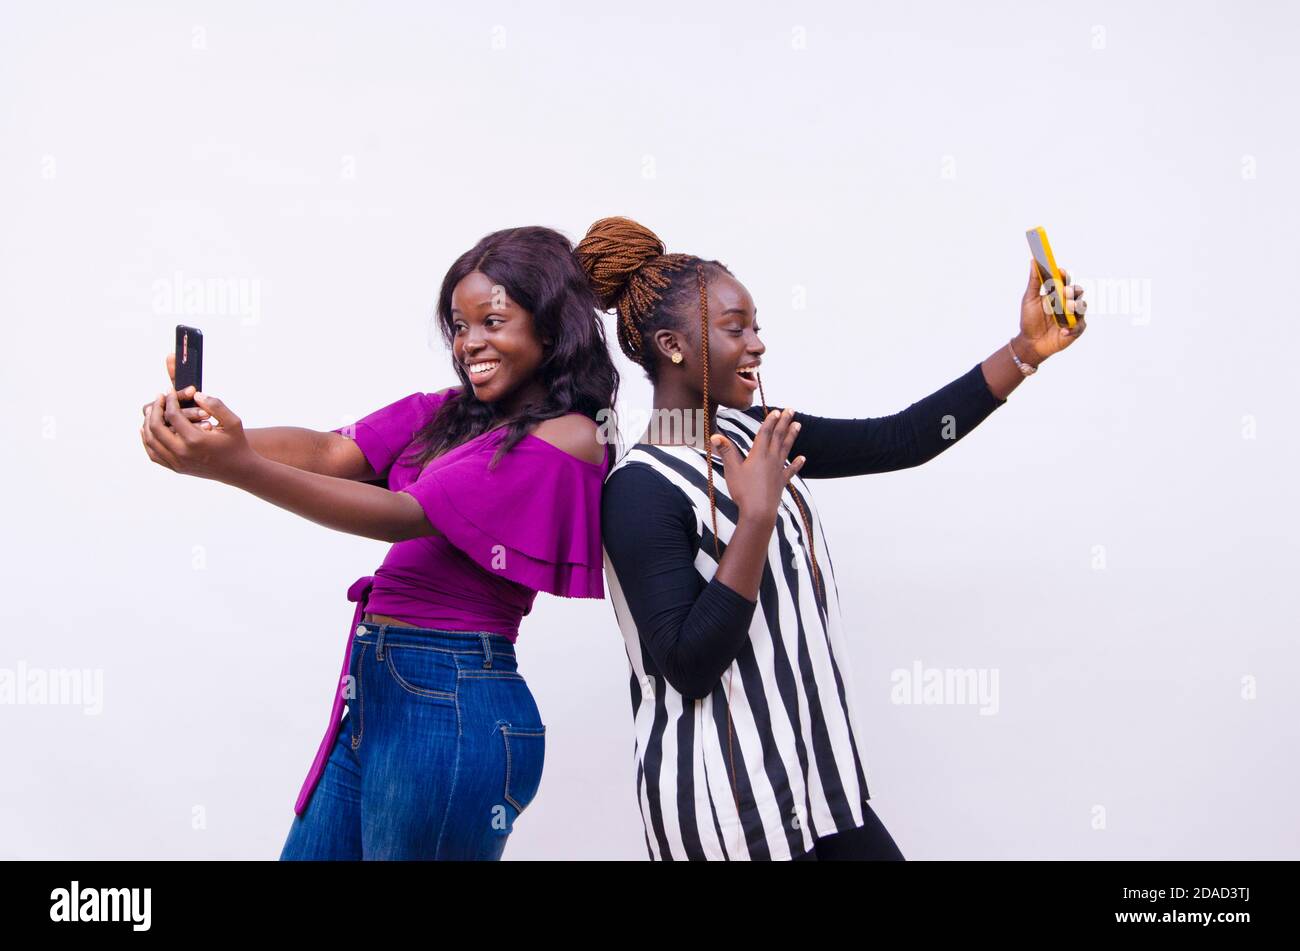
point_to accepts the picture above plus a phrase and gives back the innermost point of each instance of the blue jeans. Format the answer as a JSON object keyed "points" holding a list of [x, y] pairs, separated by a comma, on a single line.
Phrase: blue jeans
{"points": [[439, 751]]}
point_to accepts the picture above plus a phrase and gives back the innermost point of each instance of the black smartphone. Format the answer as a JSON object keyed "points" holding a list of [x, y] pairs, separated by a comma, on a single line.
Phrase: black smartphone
{"points": [[189, 361]]}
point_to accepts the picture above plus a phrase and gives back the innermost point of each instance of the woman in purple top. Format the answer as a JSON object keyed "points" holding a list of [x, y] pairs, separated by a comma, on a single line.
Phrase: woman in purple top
{"points": [[489, 492]]}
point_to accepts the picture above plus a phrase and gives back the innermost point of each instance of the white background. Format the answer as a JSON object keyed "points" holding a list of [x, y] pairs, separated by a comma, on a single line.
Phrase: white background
{"points": [[1117, 542]]}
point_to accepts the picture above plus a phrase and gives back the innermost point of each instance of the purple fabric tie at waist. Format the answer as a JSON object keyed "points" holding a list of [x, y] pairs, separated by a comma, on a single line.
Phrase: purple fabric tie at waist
{"points": [[358, 592]]}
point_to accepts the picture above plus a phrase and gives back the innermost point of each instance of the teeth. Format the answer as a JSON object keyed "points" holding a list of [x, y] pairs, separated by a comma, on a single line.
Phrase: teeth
{"points": [[750, 371], [483, 367]]}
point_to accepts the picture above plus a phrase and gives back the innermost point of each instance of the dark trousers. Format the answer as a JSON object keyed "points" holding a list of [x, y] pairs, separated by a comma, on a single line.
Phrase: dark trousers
{"points": [[870, 841]]}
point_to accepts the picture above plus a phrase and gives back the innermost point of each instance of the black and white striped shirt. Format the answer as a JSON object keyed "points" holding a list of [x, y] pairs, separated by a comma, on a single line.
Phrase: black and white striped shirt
{"points": [[799, 774]]}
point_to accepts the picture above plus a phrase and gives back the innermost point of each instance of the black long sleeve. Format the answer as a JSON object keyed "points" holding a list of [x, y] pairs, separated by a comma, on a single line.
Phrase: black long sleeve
{"points": [[836, 448], [691, 631]]}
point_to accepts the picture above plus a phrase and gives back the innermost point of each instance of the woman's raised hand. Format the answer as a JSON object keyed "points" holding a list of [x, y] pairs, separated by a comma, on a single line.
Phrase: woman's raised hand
{"points": [[1038, 327], [757, 481]]}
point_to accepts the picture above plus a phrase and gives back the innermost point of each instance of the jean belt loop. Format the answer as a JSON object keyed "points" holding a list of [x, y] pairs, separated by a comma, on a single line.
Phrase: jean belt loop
{"points": [[487, 648], [379, 644]]}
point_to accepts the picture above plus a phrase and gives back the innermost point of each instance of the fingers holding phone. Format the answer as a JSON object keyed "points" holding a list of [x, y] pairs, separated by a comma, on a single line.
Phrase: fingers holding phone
{"points": [[195, 414]]}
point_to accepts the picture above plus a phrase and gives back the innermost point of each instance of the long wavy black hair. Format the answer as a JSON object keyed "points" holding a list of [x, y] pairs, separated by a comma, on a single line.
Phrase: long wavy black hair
{"points": [[539, 270]]}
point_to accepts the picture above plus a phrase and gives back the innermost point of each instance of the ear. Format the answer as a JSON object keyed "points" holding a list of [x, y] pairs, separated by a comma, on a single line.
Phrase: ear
{"points": [[666, 343]]}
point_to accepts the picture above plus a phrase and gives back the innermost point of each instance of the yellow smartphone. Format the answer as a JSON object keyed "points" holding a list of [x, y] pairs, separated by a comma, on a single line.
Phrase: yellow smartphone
{"points": [[1050, 275]]}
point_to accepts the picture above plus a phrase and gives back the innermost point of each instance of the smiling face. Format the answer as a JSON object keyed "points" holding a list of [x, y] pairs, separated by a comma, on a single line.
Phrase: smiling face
{"points": [[733, 346], [495, 343]]}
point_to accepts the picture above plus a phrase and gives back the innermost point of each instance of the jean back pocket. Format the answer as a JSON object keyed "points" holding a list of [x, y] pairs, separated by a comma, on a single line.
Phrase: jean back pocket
{"points": [[525, 753]]}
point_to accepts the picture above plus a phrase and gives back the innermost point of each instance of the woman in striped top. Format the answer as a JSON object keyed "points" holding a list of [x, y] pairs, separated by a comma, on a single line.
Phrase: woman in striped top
{"points": [[720, 574]]}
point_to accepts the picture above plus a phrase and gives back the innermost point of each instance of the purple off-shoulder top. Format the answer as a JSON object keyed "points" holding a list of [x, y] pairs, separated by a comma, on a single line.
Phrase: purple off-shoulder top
{"points": [[530, 524]]}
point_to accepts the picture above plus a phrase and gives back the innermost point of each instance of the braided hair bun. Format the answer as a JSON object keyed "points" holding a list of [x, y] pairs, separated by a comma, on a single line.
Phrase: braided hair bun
{"points": [[629, 271], [612, 252]]}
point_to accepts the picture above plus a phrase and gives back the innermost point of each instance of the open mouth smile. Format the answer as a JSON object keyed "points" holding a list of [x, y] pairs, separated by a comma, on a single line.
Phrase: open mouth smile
{"points": [[482, 371]]}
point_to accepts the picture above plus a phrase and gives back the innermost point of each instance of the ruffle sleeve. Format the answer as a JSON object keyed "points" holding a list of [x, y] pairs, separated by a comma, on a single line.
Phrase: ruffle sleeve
{"points": [[534, 518], [384, 435]]}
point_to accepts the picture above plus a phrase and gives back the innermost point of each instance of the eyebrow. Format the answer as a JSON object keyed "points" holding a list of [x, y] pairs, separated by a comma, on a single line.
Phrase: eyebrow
{"points": [[738, 310], [501, 311]]}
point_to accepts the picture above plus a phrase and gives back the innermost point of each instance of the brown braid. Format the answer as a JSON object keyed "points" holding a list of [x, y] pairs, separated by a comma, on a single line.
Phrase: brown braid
{"points": [[713, 508], [629, 271]]}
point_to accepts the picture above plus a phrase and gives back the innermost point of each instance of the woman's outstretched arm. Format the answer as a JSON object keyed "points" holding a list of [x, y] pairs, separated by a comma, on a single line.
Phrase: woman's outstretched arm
{"points": [[848, 447], [341, 504], [327, 453], [836, 448], [224, 454]]}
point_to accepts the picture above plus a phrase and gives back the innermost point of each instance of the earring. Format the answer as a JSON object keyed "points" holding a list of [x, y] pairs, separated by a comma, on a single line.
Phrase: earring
{"points": [[677, 358]]}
